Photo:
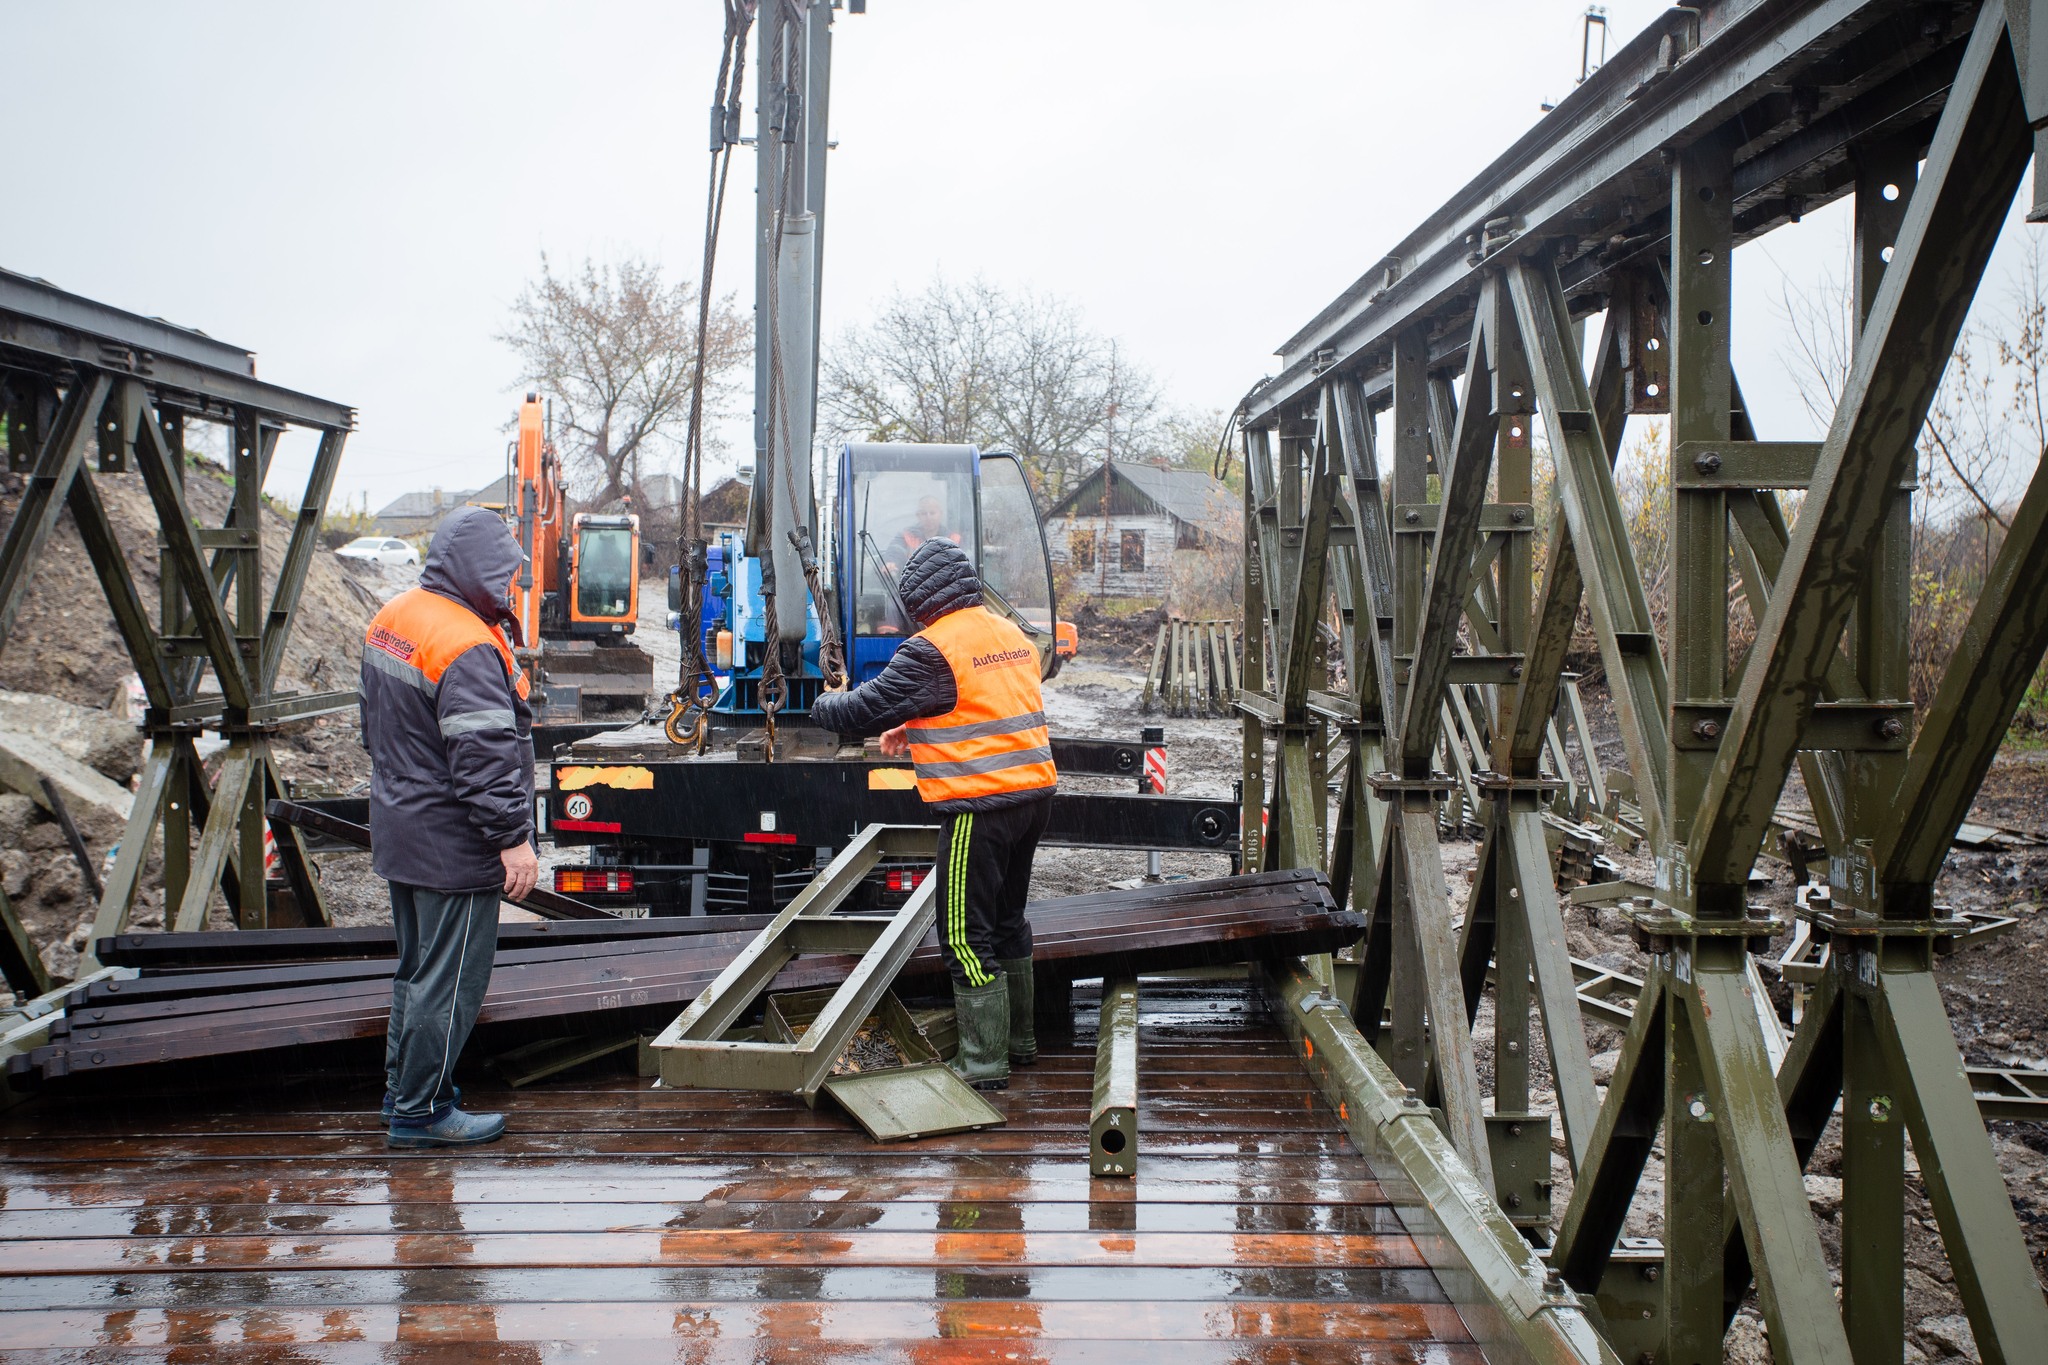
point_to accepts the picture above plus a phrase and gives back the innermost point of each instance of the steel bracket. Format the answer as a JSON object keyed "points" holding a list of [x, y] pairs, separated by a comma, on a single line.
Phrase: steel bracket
{"points": [[1659, 928], [1503, 784], [1520, 1147], [1389, 786]]}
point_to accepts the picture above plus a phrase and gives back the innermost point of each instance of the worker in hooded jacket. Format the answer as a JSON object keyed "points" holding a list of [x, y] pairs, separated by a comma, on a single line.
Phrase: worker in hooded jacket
{"points": [[446, 720], [962, 696]]}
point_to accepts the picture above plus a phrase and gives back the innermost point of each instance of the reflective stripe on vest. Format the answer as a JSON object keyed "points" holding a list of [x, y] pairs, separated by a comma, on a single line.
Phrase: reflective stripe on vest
{"points": [[420, 633], [994, 739]]}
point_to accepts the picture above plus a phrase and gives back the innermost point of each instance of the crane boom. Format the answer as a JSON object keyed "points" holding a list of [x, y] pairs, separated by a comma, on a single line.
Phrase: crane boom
{"points": [[795, 63]]}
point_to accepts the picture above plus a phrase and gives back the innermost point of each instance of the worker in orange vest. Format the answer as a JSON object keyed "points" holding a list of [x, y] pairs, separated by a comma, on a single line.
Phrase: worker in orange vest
{"points": [[962, 698], [446, 721]]}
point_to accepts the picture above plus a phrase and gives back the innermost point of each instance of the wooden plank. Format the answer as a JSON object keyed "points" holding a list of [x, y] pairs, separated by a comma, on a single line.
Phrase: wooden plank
{"points": [[786, 1340], [696, 1246], [486, 1184], [883, 1214], [1253, 1226], [865, 1323], [368, 1142]]}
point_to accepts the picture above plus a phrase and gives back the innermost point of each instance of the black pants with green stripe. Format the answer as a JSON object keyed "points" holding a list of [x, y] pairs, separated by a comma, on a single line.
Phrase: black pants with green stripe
{"points": [[984, 876]]}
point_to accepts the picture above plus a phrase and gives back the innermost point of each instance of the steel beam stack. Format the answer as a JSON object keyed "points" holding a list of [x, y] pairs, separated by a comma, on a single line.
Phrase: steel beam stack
{"points": [[1621, 210], [79, 378]]}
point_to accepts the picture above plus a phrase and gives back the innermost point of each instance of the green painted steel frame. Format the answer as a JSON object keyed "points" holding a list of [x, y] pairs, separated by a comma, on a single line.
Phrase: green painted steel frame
{"points": [[694, 1051], [1113, 1113], [73, 373], [1514, 1304], [1421, 571]]}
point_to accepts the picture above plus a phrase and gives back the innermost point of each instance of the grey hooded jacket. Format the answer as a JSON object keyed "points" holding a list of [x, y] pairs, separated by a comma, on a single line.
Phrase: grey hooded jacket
{"points": [[938, 580], [451, 785]]}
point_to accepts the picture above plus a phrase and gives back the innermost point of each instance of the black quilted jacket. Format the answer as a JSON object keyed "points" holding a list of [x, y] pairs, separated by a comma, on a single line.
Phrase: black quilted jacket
{"points": [[938, 580]]}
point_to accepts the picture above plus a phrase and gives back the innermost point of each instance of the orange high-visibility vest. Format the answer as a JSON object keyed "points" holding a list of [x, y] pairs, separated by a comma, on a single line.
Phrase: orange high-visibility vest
{"points": [[426, 632], [994, 739]]}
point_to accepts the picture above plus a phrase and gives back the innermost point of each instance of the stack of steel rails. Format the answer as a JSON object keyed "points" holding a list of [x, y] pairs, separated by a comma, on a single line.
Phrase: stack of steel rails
{"points": [[620, 975]]}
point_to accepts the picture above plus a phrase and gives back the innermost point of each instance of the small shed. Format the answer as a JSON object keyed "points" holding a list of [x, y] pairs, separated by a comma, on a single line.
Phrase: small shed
{"points": [[1119, 530]]}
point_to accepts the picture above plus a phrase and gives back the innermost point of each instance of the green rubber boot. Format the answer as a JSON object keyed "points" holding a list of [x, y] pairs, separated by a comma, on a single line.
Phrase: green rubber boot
{"points": [[1023, 1036], [984, 1017]]}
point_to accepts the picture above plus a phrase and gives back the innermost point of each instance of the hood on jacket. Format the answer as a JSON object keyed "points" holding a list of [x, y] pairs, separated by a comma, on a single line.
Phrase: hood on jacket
{"points": [[938, 580], [472, 559]]}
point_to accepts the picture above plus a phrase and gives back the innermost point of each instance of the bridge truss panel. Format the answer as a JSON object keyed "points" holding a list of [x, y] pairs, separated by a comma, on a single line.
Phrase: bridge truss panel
{"points": [[1406, 639], [89, 393]]}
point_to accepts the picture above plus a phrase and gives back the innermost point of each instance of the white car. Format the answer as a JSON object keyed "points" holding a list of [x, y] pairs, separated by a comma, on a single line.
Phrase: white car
{"points": [[380, 550]]}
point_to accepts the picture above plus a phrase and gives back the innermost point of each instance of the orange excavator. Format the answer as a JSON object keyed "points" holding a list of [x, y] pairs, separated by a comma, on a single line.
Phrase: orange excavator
{"points": [[577, 598]]}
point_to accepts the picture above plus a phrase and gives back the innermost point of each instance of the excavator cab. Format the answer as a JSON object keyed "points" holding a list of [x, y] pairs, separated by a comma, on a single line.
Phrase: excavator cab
{"points": [[604, 575], [894, 497]]}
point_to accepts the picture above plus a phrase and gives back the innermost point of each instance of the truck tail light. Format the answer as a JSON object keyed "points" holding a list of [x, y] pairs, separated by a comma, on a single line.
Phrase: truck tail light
{"points": [[581, 881], [907, 881]]}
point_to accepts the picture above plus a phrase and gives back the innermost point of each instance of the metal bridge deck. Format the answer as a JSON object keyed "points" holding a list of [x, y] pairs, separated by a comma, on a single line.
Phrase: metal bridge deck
{"points": [[619, 1223]]}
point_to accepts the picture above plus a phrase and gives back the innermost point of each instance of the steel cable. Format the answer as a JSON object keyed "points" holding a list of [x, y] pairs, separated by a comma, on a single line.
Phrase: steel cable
{"points": [[692, 675]]}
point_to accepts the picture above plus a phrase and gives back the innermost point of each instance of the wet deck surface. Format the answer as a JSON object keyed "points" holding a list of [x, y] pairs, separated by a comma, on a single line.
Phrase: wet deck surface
{"points": [[619, 1223]]}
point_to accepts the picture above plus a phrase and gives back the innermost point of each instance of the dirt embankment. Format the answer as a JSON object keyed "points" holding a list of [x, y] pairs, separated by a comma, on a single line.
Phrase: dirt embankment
{"points": [[65, 647]]}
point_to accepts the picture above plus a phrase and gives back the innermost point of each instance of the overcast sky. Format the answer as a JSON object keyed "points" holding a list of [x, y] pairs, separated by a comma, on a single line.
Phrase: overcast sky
{"points": [[357, 191]]}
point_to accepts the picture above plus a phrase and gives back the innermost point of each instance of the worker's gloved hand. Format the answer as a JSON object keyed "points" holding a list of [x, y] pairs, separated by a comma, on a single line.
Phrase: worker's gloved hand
{"points": [[522, 870], [896, 742]]}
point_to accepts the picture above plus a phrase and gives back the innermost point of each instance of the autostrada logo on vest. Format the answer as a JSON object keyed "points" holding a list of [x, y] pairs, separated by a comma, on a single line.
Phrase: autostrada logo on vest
{"points": [[1008, 656], [392, 643]]}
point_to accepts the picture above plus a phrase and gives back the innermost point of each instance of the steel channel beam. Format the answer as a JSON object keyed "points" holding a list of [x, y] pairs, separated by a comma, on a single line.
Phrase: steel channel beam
{"points": [[41, 320], [1616, 124], [21, 964], [1113, 1116], [1508, 1297]]}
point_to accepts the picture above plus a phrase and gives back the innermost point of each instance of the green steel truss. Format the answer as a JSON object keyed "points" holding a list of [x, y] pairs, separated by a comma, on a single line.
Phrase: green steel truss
{"points": [[1720, 124], [78, 378]]}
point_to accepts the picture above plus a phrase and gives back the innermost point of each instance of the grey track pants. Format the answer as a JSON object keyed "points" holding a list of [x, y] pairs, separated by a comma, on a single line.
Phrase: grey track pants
{"points": [[446, 943]]}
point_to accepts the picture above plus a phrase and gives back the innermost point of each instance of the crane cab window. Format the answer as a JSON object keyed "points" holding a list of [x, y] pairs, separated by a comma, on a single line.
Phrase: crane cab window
{"points": [[896, 501], [1013, 558]]}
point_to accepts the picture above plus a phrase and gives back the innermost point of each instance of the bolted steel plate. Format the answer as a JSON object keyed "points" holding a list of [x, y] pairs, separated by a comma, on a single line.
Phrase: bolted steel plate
{"points": [[912, 1102]]}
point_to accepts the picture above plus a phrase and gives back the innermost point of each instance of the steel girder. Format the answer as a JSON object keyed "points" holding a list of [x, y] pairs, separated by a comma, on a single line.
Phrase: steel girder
{"points": [[79, 376], [1715, 126], [1803, 79]]}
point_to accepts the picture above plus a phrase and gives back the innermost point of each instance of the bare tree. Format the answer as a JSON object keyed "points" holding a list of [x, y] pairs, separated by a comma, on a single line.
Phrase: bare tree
{"points": [[975, 363], [1986, 430], [615, 347], [1979, 413]]}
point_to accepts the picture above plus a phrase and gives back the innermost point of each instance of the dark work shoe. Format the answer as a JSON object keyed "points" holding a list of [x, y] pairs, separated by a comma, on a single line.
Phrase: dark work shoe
{"points": [[452, 1129]]}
